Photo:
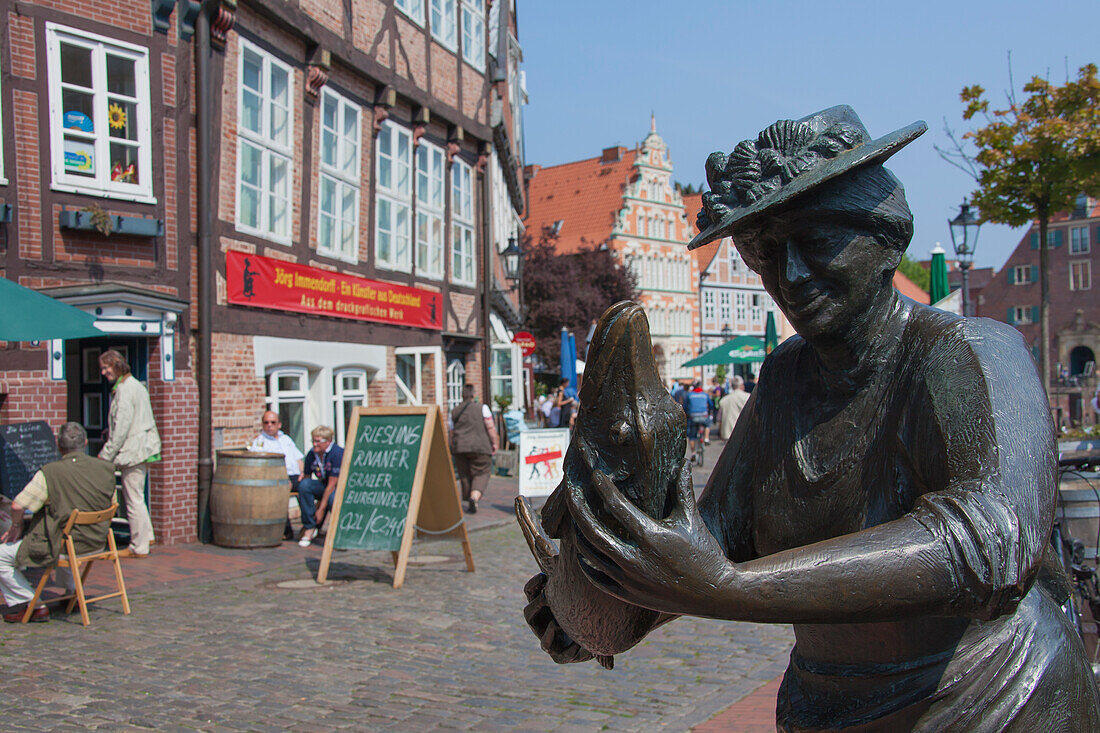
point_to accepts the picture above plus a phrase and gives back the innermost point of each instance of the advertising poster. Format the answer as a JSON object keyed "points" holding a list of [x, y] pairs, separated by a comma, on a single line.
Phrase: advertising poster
{"points": [[541, 455], [262, 282]]}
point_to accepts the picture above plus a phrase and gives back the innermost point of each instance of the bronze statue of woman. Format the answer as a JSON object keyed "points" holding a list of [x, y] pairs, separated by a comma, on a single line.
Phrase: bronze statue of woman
{"points": [[890, 486]]}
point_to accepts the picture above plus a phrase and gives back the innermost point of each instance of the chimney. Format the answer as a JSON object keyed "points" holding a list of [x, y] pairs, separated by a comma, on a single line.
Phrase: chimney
{"points": [[530, 171], [612, 155]]}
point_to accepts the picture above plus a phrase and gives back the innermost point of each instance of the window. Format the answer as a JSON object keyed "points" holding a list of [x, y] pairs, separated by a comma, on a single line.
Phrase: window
{"points": [[338, 219], [500, 375], [724, 308], [1021, 315], [444, 27], [708, 306], [462, 231], [1080, 275], [1021, 275], [349, 390], [473, 33], [412, 8], [394, 198], [264, 145], [1079, 240], [287, 394], [430, 166], [456, 378], [100, 133]]}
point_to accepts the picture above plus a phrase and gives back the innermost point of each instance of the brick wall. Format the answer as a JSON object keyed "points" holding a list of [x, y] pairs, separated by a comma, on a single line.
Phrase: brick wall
{"points": [[237, 395], [32, 395], [173, 481]]}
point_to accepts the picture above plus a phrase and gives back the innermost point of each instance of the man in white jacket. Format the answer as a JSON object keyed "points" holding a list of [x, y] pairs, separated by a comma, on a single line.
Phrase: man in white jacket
{"points": [[132, 444]]}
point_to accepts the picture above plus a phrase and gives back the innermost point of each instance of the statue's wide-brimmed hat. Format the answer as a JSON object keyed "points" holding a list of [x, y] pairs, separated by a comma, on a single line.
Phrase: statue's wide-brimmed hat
{"points": [[787, 160]]}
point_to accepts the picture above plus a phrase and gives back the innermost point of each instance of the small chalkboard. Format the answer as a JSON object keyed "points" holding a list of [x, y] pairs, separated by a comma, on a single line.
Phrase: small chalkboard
{"points": [[396, 478], [24, 448]]}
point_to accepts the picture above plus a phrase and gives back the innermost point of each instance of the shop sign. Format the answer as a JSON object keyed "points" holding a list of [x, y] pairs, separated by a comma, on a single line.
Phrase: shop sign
{"points": [[525, 341], [263, 282], [542, 460]]}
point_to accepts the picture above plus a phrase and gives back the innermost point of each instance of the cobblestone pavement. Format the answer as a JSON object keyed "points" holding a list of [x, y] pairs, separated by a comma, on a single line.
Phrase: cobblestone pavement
{"points": [[259, 647], [448, 651]]}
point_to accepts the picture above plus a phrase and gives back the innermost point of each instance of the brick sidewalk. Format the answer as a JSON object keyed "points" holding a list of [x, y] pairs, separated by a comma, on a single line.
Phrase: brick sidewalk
{"points": [[754, 713]]}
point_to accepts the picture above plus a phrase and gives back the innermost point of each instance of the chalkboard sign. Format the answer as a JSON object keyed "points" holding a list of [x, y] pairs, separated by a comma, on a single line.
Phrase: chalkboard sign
{"points": [[24, 448], [378, 481], [396, 479]]}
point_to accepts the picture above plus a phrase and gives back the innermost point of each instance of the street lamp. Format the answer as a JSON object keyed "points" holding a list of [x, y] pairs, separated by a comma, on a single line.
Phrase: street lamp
{"points": [[512, 258], [964, 238]]}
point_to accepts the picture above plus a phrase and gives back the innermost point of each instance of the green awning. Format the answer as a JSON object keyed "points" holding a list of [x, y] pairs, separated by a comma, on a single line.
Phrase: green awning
{"points": [[938, 289], [741, 350], [27, 315]]}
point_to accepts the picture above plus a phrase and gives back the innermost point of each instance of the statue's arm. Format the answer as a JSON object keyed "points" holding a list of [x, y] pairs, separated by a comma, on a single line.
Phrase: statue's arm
{"points": [[969, 546]]}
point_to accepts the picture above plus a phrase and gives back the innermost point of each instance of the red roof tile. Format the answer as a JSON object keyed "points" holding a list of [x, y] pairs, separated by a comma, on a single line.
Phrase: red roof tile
{"points": [[584, 195], [909, 289]]}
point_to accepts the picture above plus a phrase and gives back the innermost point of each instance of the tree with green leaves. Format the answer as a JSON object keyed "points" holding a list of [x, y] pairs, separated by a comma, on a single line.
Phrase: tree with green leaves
{"points": [[1032, 160], [915, 271]]}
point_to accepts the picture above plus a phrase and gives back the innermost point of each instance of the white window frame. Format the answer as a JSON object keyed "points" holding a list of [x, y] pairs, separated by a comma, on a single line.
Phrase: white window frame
{"points": [[1083, 279], [473, 33], [431, 200], [342, 173], [414, 9], [724, 307], [340, 395], [414, 394], [463, 238], [444, 21], [395, 193], [101, 184], [500, 385], [3, 179], [456, 380], [1021, 275], [708, 305], [1021, 315], [1079, 241], [275, 397], [272, 150]]}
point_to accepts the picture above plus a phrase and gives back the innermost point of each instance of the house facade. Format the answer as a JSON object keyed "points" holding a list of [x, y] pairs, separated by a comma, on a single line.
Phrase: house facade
{"points": [[334, 179], [1013, 296], [624, 200]]}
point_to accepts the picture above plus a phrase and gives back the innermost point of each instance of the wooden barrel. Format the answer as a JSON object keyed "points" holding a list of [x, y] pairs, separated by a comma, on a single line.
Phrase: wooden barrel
{"points": [[248, 499], [1079, 509]]}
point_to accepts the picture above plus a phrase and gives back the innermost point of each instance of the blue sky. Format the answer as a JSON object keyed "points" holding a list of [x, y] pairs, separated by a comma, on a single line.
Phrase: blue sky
{"points": [[716, 72]]}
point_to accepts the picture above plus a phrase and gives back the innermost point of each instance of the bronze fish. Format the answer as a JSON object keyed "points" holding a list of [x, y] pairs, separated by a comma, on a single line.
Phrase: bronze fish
{"points": [[631, 429]]}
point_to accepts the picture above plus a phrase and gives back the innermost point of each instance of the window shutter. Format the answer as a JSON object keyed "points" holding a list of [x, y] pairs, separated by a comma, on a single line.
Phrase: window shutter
{"points": [[1034, 314], [1034, 273], [1011, 319], [1057, 237], [1035, 240], [1012, 276]]}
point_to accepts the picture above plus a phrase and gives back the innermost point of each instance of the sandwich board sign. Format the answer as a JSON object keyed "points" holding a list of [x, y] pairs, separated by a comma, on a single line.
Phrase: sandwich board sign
{"points": [[396, 479]]}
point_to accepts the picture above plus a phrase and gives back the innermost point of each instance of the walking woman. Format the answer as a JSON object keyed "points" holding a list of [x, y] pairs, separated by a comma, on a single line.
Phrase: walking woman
{"points": [[473, 443], [132, 444]]}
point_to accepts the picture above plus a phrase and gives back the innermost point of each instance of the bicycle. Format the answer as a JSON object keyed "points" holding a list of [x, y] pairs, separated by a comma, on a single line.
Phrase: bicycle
{"points": [[696, 426], [1084, 580]]}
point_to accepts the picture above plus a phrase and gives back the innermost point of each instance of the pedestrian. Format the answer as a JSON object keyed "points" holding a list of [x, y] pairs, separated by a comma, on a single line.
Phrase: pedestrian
{"points": [[272, 439], [473, 443], [716, 392], [76, 481], [697, 405], [316, 489], [730, 407], [565, 402], [132, 444]]}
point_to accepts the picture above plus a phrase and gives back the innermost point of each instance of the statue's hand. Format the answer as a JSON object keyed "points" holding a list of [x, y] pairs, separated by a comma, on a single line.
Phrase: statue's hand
{"points": [[673, 565], [540, 618]]}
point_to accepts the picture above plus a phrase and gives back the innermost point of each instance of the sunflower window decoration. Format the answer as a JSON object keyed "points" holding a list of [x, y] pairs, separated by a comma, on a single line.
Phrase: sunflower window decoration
{"points": [[116, 116]]}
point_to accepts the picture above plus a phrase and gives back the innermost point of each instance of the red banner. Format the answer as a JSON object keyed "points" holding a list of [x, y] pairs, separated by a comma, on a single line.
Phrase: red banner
{"points": [[262, 282]]}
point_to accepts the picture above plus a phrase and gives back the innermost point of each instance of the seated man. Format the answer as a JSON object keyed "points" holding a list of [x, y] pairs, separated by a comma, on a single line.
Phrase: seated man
{"points": [[77, 481], [272, 439], [321, 472]]}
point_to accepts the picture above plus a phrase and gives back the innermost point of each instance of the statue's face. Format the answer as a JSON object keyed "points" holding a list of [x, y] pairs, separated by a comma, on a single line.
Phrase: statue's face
{"points": [[824, 275]]}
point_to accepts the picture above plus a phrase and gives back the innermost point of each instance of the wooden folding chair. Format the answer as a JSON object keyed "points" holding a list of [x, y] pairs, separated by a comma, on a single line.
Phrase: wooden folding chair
{"points": [[79, 565]]}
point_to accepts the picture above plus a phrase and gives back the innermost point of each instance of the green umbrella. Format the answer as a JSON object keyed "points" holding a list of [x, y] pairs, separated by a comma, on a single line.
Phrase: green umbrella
{"points": [[938, 287], [771, 338], [31, 316], [740, 350]]}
